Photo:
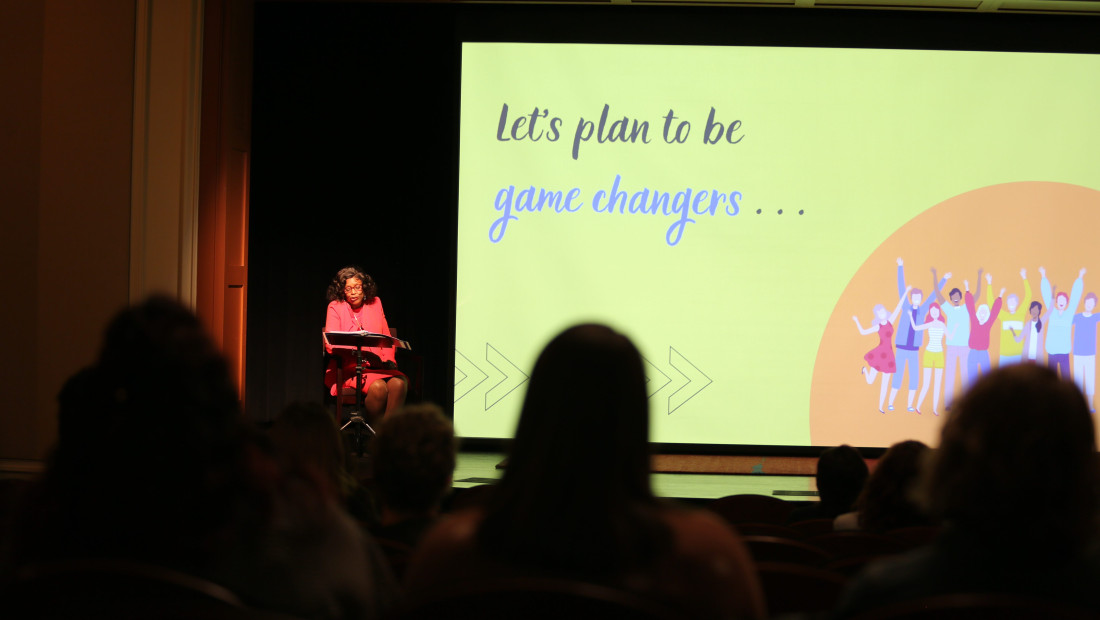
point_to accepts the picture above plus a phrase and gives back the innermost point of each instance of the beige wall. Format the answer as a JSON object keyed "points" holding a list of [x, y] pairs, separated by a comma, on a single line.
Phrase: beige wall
{"points": [[21, 31], [66, 71], [99, 159]]}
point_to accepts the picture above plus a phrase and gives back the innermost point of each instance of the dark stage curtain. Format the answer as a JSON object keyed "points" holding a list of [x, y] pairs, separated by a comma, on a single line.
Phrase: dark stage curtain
{"points": [[354, 142]]}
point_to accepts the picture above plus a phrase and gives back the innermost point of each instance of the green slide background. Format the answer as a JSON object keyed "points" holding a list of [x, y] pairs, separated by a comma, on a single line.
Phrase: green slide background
{"points": [[860, 141]]}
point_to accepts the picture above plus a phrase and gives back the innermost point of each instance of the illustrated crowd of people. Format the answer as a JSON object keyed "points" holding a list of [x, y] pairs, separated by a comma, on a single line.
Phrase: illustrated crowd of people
{"points": [[959, 333]]}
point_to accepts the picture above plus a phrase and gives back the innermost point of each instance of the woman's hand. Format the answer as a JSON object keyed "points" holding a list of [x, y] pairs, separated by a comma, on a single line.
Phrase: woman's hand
{"points": [[371, 360]]}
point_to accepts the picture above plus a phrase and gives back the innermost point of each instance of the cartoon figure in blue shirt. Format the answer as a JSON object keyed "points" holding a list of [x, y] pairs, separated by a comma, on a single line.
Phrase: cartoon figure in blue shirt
{"points": [[908, 341], [1059, 341], [958, 338], [1084, 350]]}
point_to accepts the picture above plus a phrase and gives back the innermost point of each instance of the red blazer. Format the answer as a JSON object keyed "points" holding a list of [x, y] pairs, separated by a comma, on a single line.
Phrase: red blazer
{"points": [[341, 318]]}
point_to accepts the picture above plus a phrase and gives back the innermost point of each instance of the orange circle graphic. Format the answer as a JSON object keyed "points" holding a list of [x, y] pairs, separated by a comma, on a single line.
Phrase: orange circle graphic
{"points": [[1000, 230]]}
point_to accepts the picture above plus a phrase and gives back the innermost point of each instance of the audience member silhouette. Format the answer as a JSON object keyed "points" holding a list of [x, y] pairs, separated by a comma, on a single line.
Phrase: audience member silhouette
{"points": [[414, 461], [888, 499], [1015, 481], [575, 501], [841, 473], [160, 501], [307, 442]]}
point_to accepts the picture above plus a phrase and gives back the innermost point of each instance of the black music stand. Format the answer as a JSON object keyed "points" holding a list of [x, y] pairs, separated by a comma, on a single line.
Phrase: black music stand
{"points": [[358, 340]]}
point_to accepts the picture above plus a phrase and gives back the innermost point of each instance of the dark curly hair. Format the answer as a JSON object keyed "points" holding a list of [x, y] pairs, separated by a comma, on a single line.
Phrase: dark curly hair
{"points": [[886, 502], [414, 458], [336, 287], [1017, 462], [841, 474], [140, 476]]}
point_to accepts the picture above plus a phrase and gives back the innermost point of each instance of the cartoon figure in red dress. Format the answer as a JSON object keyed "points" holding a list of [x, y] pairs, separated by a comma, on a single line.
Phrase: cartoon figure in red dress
{"points": [[881, 358]]}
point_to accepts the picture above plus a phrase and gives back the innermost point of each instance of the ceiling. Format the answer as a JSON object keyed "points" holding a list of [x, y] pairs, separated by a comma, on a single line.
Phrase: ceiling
{"points": [[1080, 7]]}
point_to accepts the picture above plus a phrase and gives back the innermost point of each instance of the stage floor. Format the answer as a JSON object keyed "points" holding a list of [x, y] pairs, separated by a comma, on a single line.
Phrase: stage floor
{"points": [[476, 468]]}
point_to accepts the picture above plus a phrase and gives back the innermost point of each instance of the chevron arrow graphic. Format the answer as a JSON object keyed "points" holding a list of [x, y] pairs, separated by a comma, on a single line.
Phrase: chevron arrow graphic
{"points": [[511, 376], [655, 380], [695, 380], [467, 375]]}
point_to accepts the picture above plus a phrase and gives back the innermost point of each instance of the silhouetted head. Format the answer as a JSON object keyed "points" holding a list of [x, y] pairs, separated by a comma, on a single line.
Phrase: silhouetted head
{"points": [[151, 460], [361, 289], [585, 415], [157, 371], [841, 472], [1017, 462], [887, 500], [414, 458], [305, 437], [576, 494], [1090, 302]]}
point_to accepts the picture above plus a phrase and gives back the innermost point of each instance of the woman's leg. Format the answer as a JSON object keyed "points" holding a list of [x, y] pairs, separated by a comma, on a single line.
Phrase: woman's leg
{"points": [[375, 397], [396, 389]]}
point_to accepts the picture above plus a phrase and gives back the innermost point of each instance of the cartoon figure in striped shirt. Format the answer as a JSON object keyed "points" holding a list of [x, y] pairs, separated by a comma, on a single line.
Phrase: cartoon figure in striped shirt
{"points": [[933, 355]]}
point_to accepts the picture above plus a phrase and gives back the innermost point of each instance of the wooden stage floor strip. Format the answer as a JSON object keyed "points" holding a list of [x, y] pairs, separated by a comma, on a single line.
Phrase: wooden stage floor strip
{"points": [[476, 468], [675, 476]]}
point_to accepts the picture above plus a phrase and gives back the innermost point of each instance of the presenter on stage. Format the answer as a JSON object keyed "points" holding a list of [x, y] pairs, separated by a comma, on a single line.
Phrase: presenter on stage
{"points": [[354, 305]]}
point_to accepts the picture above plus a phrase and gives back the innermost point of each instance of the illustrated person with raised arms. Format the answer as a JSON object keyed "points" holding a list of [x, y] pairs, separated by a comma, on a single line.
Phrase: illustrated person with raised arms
{"points": [[982, 319], [354, 305], [1084, 350], [907, 340], [933, 355], [1013, 316], [958, 338], [1059, 342], [1032, 334], [881, 358]]}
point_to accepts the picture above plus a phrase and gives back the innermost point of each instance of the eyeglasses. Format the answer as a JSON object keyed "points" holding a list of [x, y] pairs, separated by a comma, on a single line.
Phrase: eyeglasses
{"points": [[352, 289]]}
